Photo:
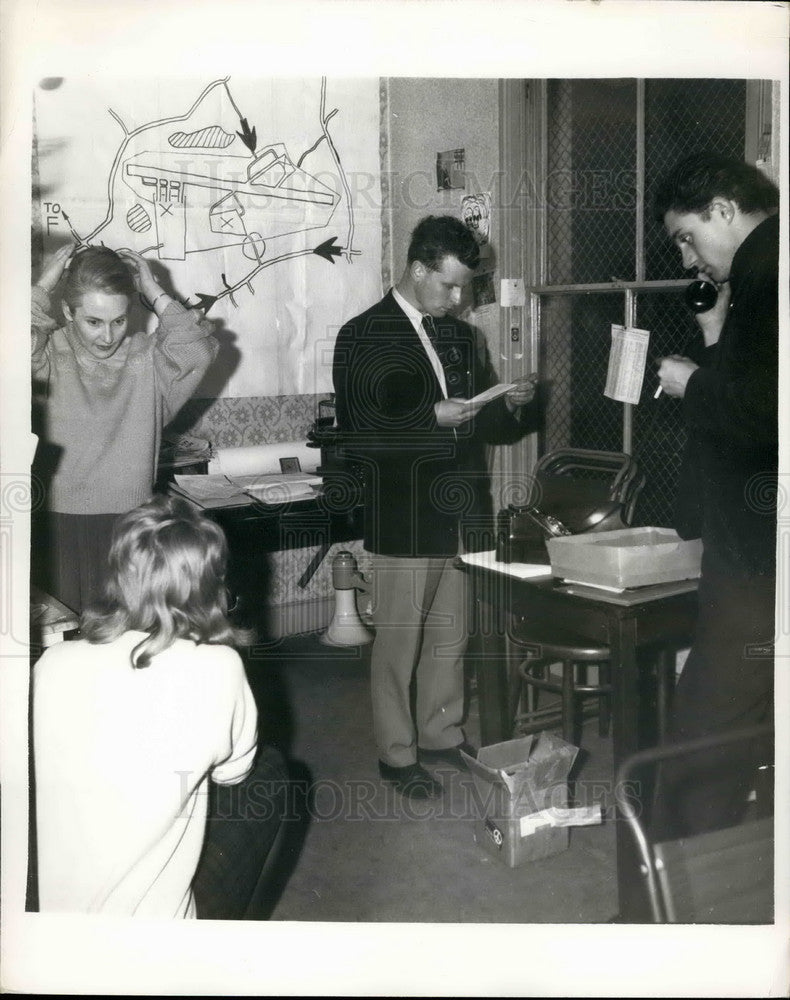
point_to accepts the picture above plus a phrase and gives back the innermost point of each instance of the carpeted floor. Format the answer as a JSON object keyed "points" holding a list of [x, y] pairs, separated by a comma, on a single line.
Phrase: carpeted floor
{"points": [[358, 852]]}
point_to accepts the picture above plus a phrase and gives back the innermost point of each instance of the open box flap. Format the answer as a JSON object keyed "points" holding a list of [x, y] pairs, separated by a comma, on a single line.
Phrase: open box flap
{"points": [[552, 759], [502, 763], [525, 764]]}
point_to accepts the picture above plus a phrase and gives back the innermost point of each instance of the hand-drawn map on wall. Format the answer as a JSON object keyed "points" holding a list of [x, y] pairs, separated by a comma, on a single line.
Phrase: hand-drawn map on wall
{"points": [[256, 200]]}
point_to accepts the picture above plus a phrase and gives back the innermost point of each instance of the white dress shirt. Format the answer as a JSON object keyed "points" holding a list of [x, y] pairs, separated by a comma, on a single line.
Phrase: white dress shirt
{"points": [[415, 318]]}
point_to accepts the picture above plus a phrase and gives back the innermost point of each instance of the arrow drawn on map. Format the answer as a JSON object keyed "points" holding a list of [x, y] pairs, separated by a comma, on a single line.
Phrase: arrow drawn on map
{"points": [[80, 241], [248, 136], [328, 250], [205, 303]]}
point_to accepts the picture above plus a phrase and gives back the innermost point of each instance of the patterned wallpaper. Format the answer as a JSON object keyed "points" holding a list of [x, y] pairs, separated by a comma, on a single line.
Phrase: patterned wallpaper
{"points": [[386, 180], [249, 420]]}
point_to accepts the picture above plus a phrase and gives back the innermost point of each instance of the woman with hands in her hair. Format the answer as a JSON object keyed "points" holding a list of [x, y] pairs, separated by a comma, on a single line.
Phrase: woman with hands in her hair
{"points": [[107, 394]]}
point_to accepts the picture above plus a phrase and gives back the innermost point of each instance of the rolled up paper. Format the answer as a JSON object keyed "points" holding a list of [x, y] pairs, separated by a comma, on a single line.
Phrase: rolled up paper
{"points": [[260, 459]]}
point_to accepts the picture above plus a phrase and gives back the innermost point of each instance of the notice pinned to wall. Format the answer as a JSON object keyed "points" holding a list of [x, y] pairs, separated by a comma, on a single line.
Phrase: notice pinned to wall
{"points": [[627, 359], [476, 213], [512, 292], [257, 201], [451, 169]]}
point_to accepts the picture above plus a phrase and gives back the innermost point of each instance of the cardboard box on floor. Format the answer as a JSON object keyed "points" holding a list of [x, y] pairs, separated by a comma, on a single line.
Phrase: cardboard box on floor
{"points": [[522, 798]]}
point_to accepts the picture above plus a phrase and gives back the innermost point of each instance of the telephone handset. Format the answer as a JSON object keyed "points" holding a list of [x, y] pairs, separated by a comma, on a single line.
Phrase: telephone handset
{"points": [[701, 295]]}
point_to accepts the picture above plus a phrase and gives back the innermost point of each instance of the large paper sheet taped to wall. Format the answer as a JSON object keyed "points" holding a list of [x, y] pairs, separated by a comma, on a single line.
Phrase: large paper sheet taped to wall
{"points": [[251, 460], [255, 200]]}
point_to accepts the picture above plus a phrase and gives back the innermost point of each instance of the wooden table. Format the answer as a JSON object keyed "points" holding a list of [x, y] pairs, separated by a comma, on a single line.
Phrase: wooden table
{"points": [[255, 530], [661, 615], [253, 527]]}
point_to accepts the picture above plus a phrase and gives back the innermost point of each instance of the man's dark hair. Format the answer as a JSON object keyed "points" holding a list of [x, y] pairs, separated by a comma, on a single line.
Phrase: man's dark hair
{"points": [[438, 236], [694, 182]]}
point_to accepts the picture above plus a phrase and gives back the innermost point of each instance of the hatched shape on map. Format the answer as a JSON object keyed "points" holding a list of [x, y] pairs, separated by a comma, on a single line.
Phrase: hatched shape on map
{"points": [[138, 220], [212, 137]]}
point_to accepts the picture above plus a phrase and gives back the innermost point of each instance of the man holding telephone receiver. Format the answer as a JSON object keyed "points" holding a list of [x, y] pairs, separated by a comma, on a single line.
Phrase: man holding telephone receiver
{"points": [[722, 214]]}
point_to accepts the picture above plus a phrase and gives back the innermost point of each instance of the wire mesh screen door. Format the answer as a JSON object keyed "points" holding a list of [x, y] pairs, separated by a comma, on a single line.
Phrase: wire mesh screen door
{"points": [[606, 261]]}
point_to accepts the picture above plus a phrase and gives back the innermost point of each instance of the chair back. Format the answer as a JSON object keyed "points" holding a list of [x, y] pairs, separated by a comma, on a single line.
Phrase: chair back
{"points": [[587, 490], [725, 876]]}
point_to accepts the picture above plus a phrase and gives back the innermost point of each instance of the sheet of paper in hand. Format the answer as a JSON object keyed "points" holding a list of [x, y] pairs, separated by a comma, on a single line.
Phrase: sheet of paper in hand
{"points": [[493, 393]]}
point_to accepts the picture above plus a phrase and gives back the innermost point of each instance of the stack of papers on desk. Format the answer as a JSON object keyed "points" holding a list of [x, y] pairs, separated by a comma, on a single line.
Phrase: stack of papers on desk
{"points": [[217, 490], [280, 487]]}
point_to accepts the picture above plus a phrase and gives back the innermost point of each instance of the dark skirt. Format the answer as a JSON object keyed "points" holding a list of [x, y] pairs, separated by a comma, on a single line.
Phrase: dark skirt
{"points": [[69, 556], [245, 852]]}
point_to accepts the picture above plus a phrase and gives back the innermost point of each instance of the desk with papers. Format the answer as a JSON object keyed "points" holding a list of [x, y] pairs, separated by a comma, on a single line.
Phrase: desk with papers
{"points": [[273, 513], [215, 490]]}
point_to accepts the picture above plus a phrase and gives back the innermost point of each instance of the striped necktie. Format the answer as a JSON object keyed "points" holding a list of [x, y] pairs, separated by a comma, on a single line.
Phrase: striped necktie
{"points": [[430, 328], [456, 372]]}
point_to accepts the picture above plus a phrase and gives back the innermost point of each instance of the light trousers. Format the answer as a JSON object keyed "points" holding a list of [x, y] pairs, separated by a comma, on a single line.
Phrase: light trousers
{"points": [[421, 637]]}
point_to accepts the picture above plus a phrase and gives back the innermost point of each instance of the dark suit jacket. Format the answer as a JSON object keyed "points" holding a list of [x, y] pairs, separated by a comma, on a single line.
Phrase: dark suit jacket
{"points": [[727, 491], [421, 480]]}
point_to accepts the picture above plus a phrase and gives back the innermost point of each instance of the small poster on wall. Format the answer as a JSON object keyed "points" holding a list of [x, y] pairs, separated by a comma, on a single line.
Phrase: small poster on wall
{"points": [[451, 170], [476, 213]]}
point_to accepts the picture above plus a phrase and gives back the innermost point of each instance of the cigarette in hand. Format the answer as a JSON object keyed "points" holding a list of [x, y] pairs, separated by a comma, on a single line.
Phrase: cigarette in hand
{"points": [[657, 393]]}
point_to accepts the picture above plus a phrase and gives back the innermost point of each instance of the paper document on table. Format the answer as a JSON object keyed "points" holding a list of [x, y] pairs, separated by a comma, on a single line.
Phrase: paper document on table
{"points": [[488, 560], [493, 393], [209, 488], [217, 490], [627, 358], [276, 488], [595, 586]]}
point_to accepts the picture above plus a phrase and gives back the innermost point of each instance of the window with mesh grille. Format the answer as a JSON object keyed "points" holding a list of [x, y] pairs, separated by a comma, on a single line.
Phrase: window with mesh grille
{"points": [[606, 142]]}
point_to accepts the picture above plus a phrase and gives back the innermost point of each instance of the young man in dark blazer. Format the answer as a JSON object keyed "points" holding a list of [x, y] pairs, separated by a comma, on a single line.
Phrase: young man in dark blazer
{"points": [[404, 372], [722, 215]]}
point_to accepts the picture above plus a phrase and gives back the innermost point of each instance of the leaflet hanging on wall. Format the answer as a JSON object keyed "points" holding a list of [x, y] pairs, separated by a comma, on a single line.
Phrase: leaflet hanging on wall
{"points": [[627, 359]]}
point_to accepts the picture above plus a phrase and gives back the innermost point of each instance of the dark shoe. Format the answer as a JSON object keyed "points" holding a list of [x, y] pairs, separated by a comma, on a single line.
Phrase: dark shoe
{"points": [[412, 781], [451, 756]]}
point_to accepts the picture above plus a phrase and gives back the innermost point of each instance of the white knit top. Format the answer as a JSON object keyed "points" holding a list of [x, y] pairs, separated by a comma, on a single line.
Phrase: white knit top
{"points": [[122, 762]]}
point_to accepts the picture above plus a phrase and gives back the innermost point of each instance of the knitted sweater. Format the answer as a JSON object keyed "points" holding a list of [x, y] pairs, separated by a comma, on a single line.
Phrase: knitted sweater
{"points": [[105, 416]]}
